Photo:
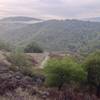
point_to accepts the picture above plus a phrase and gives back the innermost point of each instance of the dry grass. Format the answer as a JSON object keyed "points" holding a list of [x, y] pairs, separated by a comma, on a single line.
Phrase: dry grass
{"points": [[20, 95]]}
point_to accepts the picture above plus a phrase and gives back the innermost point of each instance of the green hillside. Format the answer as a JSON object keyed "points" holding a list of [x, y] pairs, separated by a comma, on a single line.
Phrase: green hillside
{"points": [[54, 35]]}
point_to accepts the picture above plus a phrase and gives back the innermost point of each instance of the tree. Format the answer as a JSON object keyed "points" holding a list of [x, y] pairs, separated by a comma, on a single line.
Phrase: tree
{"points": [[92, 65], [33, 48], [61, 71]]}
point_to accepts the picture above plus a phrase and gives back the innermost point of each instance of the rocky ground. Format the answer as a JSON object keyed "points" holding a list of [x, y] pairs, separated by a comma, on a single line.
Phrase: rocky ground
{"points": [[16, 86]]}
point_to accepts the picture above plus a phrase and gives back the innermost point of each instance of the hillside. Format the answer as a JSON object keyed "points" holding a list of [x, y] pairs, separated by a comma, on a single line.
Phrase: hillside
{"points": [[19, 18], [54, 35], [93, 19]]}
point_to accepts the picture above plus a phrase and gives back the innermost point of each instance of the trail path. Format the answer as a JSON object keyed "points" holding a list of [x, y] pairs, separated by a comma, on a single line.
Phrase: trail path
{"points": [[45, 60]]}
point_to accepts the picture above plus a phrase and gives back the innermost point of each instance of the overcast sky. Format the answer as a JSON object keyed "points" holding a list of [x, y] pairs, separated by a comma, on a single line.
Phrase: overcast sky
{"points": [[50, 8]]}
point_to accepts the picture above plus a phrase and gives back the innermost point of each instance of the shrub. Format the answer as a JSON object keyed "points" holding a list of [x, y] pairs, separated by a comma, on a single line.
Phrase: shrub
{"points": [[92, 65], [5, 46], [33, 48], [58, 72], [20, 63]]}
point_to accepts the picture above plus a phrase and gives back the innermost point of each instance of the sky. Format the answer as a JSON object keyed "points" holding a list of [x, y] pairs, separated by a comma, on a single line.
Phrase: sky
{"points": [[50, 9]]}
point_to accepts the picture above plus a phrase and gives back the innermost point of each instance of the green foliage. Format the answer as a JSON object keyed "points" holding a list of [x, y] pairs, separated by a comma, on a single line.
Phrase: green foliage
{"points": [[55, 35], [60, 71], [33, 48], [5, 46], [20, 62], [92, 65]]}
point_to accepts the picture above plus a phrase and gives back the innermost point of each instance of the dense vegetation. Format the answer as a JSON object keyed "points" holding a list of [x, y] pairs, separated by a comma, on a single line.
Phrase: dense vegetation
{"points": [[61, 71], [33, 48], [55, 35], [92, 65], [66, 71]]}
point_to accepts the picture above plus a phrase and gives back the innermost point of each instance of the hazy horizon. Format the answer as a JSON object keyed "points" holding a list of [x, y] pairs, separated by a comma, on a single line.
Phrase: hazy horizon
{"points": [[50, 9]]}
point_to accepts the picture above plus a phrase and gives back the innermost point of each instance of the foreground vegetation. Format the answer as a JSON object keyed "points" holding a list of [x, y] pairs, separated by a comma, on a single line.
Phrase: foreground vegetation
{"points": [[62, 72], [20, 62], [63, 76], [67, 71]]}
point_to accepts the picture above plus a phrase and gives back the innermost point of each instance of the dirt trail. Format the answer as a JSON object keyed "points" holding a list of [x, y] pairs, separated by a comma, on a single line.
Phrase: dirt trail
{"points": [[45, 60]]}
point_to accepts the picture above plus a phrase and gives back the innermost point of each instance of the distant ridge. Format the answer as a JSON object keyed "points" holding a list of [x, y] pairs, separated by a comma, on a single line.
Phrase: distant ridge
{"points": [[20, 18], [93, 19]]}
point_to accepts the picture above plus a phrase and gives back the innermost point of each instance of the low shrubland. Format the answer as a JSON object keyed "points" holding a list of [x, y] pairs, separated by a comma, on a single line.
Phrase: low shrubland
{"points": [[20, 62], [61, 76], [6, 46], [83, 76]]}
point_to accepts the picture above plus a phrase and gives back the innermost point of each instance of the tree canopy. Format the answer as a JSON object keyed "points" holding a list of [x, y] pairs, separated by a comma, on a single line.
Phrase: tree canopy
{"points": [[33, 48], [92, 65], [61, 71]]}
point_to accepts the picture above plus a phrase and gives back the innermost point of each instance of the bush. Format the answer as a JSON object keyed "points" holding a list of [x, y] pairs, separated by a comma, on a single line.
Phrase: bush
{"points": [[33, 48], [20, 63], [58, 72], [92, 65], [5, 46]]}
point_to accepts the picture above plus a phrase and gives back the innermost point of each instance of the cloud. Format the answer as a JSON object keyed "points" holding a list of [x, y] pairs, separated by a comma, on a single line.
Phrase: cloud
{"points": [[50, 8]]}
